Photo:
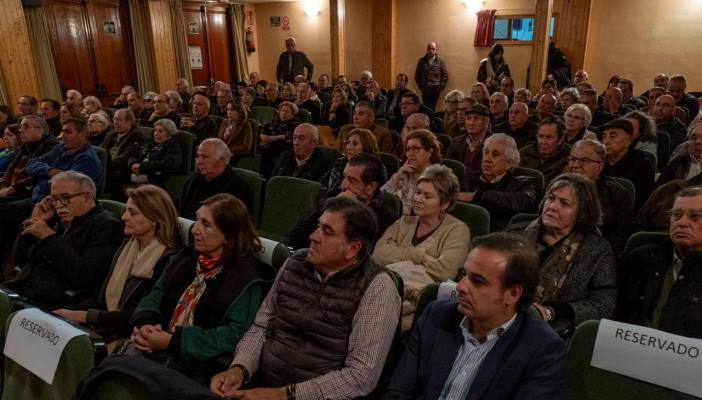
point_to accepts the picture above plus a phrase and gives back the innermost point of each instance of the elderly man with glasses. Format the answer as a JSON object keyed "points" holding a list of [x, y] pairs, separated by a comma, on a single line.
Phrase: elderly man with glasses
{"points": [[67, 244]]}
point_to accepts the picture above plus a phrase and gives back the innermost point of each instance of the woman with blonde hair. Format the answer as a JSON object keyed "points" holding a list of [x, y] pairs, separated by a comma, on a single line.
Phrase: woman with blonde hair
{"points": [[359, 141]]}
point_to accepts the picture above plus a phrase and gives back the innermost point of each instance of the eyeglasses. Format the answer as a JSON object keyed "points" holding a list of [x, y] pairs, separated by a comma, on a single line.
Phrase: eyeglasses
{"points": [[693, 215], [582, 160], [63, 200], [404, 103], [413, 149]]}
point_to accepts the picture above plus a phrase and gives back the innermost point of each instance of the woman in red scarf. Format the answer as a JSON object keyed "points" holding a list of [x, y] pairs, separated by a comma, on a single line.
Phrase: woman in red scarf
{"points": [[207, 298]]}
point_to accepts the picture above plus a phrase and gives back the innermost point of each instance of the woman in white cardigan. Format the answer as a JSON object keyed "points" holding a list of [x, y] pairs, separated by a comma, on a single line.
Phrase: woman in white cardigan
{"points": [[429, 246]]}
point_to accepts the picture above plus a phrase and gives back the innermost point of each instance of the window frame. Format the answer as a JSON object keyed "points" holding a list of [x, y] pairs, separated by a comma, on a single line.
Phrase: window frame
{"points": [[510, 17]]}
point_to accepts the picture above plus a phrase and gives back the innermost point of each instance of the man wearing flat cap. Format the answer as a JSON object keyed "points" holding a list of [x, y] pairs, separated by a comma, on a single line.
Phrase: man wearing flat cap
{"points": [[549, 154], [468, 148], [624, 161]]}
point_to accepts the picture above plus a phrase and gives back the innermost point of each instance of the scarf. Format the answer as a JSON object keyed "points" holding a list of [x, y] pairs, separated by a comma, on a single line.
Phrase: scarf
{"points": [[131, 263], [184, 312], [554, 270]]}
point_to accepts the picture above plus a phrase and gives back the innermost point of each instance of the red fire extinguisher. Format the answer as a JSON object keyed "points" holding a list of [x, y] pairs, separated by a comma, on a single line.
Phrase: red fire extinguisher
{"points": [[250, 44]]}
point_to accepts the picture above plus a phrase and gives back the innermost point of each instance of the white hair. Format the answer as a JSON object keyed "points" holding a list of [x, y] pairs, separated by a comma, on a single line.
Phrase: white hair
{"points": [[511, 150], [221, 149]]}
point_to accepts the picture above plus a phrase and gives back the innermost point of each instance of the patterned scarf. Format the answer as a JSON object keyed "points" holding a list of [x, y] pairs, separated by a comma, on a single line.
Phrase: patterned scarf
{"points": [[184, 313]]}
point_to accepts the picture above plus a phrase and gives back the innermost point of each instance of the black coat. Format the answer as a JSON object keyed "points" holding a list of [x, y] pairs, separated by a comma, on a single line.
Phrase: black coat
{"points": [[158, 162], [504, 199], [617, 212], [637, 168], [299, 63], [75, 259], [196, 189], [318, 163], [641, 276]]}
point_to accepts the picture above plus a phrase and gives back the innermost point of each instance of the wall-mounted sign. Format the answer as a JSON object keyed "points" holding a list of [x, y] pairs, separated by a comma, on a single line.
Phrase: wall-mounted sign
{"points": [[275, 21], [193, 28], [195, 57], [109, 28], [249, 18], [286, 23]]}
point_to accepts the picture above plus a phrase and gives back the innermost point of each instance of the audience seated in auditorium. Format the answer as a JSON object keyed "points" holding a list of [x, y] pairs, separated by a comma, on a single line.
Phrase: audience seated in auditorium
{"points": [[183, 88], [375, 98], [359, 141], [645, 137], [499, 116], [176, 102], [659, 282], [292, 63], [653, 95], [207, 297], [677, 87], [495, 187], [522, 95], [624, 161], [305, 160], [519, 127], [277, 136], [224, 96], [663, 112], [458, 128], [468, 148], [414, 122], [363, 175], [578, 267], [409, 104], [364, 118], [272, 98], [687, 165], [340, 337], [248, 99], [152, 240], [27, 105], [121, 100], [549, 154], [6, 116], [305, 102], [484, 344], [99, 127], [339, 112], [92, 105], [123, 143], [479, 92], [614, 103], [213, 175], [422, 149], [66, 244], [507, 87], [324, 84], [135, 102], [158, 158], [16, 183], [577, 119], [67, 111], [587, 157], [599, 116], [395, 95], [12, 141], [428, 246], [49, 110], [163, 109], [545, 108], [654, 213], [199, 124], [628, 98], [580, 76], [567, 98], [287, 92], [74, 97], [236, 131], [451, 101]]}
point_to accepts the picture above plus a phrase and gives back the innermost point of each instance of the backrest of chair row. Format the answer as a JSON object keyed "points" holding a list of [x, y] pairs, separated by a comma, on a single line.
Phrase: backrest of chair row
{"points": [[287, 200], [254, 181], [477, 218]]}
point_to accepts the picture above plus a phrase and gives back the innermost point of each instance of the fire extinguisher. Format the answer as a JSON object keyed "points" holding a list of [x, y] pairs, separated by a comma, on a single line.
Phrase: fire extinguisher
{"points": [[250, 44]]}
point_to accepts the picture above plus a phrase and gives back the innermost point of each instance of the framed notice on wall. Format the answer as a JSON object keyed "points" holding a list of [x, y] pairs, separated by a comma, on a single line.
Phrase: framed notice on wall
{"points": [[275, 21], [195, 57]]}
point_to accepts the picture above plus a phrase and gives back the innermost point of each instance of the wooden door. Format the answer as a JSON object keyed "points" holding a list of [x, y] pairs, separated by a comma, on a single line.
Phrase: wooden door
{"points": [[70, 45], [219, 44], [92, 45], [112, 45], [195, 26]]}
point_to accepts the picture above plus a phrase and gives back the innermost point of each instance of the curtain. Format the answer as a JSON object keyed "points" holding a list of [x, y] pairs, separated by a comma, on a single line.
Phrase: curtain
{"points": [[47, 78], [143, 45], [180, 40], [241, 66], [484, 27], [4, 97]]}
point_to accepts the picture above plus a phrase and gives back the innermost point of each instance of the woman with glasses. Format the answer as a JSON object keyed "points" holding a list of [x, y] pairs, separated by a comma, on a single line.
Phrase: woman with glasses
{"points": [[422, 149], [587, 159], [153, 234], [99, 127], [577, 119], [359, 141], [578, 268]]}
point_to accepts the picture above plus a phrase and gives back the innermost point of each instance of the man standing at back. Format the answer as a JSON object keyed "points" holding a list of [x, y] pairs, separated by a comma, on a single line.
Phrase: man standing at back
{"points": [[484, 345], [292, 63], [431, 76]]}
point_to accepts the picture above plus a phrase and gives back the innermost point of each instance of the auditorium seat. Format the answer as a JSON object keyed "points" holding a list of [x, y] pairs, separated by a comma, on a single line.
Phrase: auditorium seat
{"points": [[115, 207], [263, 114], [254, 181], [287, 200], [458, 168], [102, 155], [663, 150], [534, 173], [391, 162], [477, 218], [174, 183], [639, 239]]}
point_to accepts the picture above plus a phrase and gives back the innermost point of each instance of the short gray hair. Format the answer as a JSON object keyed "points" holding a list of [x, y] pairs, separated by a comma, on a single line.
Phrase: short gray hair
{"points": [[500, 94], [41, 122], [92, 100], [445, 182], [221, 149], [84, 182], [172, 94], [69, 91], [523, 91], [571, 91], [167, 125], [511, 149], [150, 95], [582, 108], [420, 116], [312, 129], [101, 118], [596, 146], [455, 95]]}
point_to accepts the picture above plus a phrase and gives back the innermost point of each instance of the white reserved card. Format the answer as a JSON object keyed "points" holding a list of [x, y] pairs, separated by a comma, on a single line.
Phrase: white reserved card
{"points": [[649, 355], [447, 290], [35, 340]]}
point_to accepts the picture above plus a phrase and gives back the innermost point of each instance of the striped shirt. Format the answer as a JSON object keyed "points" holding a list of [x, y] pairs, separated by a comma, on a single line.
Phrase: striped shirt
{"points": [[372, 332], [470, 356]]}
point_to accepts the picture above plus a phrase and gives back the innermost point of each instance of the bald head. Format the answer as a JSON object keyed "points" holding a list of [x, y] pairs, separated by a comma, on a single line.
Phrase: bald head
{"points": [[546, 105], [664, 108], [518, 115]]}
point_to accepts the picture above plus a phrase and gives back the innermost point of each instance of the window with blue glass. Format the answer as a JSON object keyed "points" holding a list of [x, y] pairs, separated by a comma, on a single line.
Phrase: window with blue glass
{"points": [[518, 28]]}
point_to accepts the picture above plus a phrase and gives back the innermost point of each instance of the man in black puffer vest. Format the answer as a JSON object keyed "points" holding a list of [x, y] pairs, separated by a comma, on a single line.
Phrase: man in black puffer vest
{"points": [[326, 326]]}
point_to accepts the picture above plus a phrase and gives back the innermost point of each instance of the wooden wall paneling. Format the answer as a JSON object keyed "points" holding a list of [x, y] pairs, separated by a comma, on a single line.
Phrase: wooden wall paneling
{"points": [[337, 11], [114, 54], [572, 31], [164, 55], [384, 30], [16, 62], [219, 44], [71, 47], [539, 53], [196, 38]]}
